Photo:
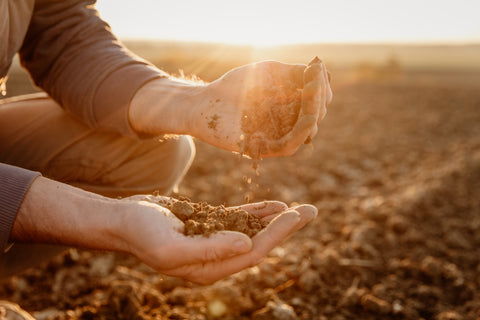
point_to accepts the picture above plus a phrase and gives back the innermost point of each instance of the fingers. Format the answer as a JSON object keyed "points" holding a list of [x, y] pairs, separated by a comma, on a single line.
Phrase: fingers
{"points": [[316, 93], [313, 72], [280, 227], [289, 143], [263, 242], [265, 208], [328, 89], [276, 231], [316, 89], [151, 198], [218, 246], [313, 97], [295, 74], [307, 214], [283, 72]]}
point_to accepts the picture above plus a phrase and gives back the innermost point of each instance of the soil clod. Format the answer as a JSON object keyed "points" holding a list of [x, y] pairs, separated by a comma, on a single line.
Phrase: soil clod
{"points": [[204, 219]]}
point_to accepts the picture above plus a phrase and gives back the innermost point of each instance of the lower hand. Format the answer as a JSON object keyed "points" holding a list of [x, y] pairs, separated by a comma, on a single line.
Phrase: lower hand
{"points": [[155, 236]]}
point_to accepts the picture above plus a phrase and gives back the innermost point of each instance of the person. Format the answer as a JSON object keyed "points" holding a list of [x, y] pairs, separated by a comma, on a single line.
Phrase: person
{"points": [[110, 125]]}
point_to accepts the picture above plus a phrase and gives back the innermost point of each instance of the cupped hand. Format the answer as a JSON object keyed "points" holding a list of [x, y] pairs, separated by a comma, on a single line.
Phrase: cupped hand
{"points": [[230, 97], [156, 237]]}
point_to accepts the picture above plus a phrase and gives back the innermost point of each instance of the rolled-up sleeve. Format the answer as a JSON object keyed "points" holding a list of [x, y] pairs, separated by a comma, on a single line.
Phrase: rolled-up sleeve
{"points": [[72, 54], [14, 184]]}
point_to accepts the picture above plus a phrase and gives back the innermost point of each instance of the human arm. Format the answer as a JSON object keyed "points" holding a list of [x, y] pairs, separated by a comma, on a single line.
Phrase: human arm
{"points": [[214, 112], [14, 183], [56, 213], [71, 53]]}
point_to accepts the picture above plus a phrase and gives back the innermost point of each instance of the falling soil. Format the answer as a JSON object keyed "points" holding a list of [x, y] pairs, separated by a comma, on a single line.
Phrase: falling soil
{"points": [[204, 219]]}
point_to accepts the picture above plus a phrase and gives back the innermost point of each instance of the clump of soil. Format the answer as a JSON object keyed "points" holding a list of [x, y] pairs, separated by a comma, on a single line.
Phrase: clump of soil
{"points": [[273, 111], [204, 219], [271, 115]]}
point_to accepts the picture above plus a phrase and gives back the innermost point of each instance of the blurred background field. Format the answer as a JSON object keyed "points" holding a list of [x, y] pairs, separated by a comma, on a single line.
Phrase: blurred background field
{"points": [[452, 64]]}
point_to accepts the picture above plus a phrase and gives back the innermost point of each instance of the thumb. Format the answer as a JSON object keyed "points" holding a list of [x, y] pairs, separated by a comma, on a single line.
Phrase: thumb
{"points": [[218, 246]]}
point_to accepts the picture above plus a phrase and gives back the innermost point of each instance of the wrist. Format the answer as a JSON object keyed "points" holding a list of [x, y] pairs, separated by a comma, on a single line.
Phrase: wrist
{"points": [[57, 213], [165, 106]]}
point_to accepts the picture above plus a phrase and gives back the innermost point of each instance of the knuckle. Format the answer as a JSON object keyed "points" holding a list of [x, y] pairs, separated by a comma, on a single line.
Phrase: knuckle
{"points": [[211, 254]]}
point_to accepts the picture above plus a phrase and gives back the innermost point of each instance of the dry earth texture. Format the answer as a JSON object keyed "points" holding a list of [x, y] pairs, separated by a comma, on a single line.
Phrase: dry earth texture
{"points": [[204, 219], [395, 174]]}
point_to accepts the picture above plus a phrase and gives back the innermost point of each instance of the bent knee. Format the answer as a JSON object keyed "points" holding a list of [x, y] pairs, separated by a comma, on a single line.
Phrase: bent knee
{"points": [[145, 167], [166, 165]]}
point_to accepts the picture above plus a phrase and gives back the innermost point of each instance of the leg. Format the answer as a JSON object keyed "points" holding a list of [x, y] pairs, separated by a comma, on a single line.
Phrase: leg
{"points": [[35, 133]]}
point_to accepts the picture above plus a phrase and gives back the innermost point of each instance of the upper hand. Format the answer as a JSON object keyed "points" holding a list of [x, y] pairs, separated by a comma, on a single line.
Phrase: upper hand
{"points": [[239, 90]]}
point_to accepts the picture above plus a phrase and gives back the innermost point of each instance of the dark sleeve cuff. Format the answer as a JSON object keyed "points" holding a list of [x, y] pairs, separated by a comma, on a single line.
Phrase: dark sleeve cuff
{"points": [[14, 183], [113, 97]]}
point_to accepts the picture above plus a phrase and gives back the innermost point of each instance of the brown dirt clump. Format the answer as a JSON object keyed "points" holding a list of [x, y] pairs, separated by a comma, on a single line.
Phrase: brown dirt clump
{"points": [[273, 111], [271, 115], [204, 219]]}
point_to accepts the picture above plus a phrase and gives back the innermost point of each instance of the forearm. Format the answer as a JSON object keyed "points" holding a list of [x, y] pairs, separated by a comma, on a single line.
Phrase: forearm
{"points": [[56, 213], [166, 106]]}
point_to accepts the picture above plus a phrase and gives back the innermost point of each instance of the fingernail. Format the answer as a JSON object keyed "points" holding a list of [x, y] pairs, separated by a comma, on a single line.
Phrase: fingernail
{"points": [[241, 246]]}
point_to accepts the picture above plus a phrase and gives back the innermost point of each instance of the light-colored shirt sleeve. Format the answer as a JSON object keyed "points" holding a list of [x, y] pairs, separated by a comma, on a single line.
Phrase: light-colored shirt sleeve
{"points": [[72, 54]]}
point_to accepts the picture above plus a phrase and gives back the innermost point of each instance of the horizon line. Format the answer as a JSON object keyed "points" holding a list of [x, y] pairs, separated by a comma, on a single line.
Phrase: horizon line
{"points": [[361, 43]]}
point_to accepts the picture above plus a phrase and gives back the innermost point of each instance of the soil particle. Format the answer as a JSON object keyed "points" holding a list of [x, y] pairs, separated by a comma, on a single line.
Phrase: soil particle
{"points": [[309, 280], [448, 315], [204, 219], [182, 209], [212, 124], [275, 310], [375, 305], [352, 297]]}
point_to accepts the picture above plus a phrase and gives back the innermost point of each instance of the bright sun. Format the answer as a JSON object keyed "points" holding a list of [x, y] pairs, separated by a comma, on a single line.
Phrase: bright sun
{"points": [[270, 22]]}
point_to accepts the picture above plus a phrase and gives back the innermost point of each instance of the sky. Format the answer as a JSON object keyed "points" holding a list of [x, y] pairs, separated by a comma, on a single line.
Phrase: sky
{"points": [[271, 22]]}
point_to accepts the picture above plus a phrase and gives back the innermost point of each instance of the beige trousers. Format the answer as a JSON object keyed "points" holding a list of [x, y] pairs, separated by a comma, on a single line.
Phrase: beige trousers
{"points": [[36, 134]]}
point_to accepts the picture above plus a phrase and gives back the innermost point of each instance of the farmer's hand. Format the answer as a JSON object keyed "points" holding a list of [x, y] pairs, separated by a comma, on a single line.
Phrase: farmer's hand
{"points": [[56, 213], [241, 89], [213, 113], [156, 237]]}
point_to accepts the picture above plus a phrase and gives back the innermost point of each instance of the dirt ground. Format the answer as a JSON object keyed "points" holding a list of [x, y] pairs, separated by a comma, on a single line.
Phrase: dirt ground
{"points": [[395, 174]]}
